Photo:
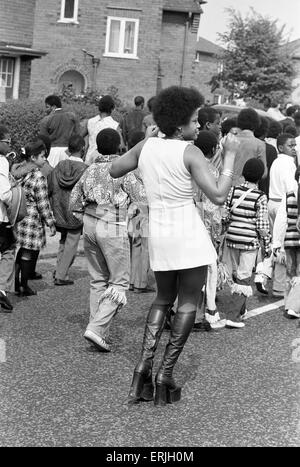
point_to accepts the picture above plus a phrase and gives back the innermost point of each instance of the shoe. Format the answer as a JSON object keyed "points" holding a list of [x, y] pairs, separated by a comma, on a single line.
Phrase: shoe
{"points": [[212, 316], [218, 324], [98, 342], [142, 388], [261, 288], [244, 314], [26, 291], [5, 303], [63, 282], [202, 326], [144, 290], [292, 314], [36, 276], [234, 324], [166, 391]]}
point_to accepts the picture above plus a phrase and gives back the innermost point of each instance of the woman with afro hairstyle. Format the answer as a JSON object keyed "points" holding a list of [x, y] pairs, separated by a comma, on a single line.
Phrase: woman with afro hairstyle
{"points": [[179, 245]]}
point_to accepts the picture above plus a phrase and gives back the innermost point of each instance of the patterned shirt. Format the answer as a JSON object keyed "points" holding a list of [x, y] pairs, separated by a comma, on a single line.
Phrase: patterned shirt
{"points": [[96, 186], [248, 223]]}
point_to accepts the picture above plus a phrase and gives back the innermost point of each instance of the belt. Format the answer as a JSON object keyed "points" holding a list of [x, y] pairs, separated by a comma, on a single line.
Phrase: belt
{"points": [[275, 199]]}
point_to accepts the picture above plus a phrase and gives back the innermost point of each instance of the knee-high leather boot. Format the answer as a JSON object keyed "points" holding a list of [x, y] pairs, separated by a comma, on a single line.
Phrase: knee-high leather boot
{"points": [[26, 270], [166, 389], [142, 388]]}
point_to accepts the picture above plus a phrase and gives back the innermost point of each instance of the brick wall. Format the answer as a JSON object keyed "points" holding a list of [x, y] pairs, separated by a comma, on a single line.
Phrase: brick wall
{"points": [[64, 44], [176, 32], [16, 21], [201, 73]]}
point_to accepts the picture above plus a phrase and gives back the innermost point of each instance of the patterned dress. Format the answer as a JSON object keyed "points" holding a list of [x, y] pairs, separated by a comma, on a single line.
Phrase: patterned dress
{"points": [[211, 213], [31, 230]]}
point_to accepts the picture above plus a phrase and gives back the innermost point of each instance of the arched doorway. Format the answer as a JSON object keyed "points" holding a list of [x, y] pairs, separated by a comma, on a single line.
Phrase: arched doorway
{"points": [[73, 79]]}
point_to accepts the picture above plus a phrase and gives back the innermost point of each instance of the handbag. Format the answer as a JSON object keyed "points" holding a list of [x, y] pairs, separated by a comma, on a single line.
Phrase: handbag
{"points": [[17, 209]]}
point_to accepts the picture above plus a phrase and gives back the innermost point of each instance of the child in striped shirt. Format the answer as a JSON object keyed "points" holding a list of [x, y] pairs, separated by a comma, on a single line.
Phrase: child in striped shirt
{"points": [[246, 218], [287, 236]]}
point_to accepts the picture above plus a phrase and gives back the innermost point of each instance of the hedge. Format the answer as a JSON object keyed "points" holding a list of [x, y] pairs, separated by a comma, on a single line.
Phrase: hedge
{"points": [[22, 117]]}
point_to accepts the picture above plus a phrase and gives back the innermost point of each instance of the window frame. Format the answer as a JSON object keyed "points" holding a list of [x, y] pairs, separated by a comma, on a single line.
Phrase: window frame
{"points": [[122, 21], [62, 18], [7, 73]]}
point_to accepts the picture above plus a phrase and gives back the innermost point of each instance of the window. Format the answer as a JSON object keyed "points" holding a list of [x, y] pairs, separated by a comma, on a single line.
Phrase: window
{"points": [[69, 11], [6, 72], [197, 56], [121, 37]]}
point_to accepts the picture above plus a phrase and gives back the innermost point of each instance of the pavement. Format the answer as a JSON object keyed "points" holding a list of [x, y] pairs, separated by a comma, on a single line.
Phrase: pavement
{"points": [[239, 387]]}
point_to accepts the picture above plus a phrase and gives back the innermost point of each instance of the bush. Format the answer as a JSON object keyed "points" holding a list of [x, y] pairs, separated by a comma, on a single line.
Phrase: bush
{"points": [[22, 117]]}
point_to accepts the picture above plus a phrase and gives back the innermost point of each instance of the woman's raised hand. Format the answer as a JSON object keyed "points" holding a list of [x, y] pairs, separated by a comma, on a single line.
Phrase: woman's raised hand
{"points": [[152, 130], [231, 144]]}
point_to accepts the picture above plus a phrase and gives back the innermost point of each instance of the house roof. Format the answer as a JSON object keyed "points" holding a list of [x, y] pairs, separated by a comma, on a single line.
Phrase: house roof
{"points": [[184, 6], [293, 48], [16, 51], [207, 47]]}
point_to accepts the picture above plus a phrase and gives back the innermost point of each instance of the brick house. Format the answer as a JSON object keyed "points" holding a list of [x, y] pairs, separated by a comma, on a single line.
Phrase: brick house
{"points": [[137, 46], [16, 48]]}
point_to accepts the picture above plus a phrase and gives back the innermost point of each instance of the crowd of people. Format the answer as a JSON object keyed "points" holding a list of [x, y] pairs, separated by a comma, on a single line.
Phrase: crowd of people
{"points": [[179, 200]]}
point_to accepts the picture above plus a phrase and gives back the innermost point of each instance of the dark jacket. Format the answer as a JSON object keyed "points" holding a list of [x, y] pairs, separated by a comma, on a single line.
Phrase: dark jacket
{"points": [[271, 155], [60, 183]]}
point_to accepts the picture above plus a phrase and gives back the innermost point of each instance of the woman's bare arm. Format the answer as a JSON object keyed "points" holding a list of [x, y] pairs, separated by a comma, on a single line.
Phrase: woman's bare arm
{"points": [[126, 163], [129, 161], [195, 162]]}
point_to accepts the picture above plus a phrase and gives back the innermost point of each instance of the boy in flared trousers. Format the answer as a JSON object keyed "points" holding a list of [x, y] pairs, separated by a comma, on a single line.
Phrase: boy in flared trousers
{"points": [[246, 218]]}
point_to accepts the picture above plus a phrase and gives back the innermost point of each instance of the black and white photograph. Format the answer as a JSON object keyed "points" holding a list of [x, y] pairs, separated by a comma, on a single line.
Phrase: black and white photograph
{"points": [[149, 226]]}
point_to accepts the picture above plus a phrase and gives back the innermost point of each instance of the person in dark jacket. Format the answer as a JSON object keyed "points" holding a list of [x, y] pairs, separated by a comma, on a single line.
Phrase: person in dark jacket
{"points": [[60, 183]]}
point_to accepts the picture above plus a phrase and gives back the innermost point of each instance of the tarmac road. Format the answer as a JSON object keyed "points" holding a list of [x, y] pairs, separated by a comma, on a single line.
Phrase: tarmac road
{"points": [[240, 387]]}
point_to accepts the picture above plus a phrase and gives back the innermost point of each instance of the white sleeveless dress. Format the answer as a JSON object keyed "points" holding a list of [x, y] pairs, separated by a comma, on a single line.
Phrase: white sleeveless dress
{"points": [[178, 238]]}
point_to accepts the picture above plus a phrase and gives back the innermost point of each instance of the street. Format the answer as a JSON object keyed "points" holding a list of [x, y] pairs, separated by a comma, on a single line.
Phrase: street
{"points": [[240, 386]]}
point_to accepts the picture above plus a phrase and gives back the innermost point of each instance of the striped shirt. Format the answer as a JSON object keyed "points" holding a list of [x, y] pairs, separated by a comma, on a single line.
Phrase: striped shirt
{"points": [[285, 231], [248, 223], [292, 236]]}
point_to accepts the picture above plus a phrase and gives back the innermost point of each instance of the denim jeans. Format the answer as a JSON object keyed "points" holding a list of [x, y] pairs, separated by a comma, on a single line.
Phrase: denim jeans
{"points": [[107, 252]]}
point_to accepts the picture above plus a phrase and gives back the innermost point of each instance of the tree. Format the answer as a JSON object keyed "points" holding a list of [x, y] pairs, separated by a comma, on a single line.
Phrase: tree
{"points": [[254, 63]]}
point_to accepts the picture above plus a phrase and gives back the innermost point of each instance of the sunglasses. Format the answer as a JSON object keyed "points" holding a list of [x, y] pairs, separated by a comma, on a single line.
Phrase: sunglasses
{"points": [[8, 141]]}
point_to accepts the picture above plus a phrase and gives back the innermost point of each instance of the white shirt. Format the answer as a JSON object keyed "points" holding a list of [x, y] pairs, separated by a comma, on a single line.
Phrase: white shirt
{"points": [[5, 188], [275, 113], [282, 176], [95, 125]]}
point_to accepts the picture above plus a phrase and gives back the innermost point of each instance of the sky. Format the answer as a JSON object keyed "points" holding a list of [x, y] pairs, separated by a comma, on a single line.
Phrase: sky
{"points": [[215, 19]]}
